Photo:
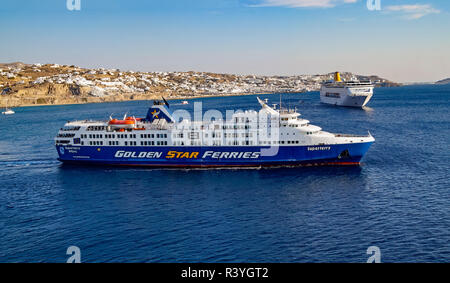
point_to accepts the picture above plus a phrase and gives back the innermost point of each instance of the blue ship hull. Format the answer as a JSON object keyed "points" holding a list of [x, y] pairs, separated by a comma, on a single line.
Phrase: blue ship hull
{"points": [[218, 156]]}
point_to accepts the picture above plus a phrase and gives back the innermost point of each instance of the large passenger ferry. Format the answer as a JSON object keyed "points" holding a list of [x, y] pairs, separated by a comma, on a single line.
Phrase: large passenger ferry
{"points": [[349, 93], [272, 136]]}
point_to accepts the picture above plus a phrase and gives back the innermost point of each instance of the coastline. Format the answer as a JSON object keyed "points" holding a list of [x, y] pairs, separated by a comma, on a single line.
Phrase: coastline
{"points": [[91, 100], [23, 85]]}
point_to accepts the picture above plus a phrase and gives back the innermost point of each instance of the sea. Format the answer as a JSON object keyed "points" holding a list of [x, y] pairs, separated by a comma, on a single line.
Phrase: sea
{"points": [[398, 200]]}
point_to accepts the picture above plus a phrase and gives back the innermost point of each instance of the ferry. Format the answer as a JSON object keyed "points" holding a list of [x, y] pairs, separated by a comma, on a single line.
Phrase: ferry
{"points": [[352, 93], [272, 136]]}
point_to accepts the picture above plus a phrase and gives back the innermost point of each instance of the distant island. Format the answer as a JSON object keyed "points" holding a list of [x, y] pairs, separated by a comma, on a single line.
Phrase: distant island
{"points": [[443, 82], [50, 84]]}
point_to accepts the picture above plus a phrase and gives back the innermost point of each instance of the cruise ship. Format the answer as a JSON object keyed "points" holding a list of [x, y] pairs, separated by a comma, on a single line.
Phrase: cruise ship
{"points": [[272, 136], [352, 93]]}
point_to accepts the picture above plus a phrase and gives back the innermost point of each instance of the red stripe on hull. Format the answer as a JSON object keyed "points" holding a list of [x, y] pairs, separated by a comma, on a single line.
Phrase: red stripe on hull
{"points": [[240, 166]]}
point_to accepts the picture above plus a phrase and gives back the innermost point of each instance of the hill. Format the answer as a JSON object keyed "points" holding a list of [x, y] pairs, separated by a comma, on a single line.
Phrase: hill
{"points": [[443, 82], [38, 84]]}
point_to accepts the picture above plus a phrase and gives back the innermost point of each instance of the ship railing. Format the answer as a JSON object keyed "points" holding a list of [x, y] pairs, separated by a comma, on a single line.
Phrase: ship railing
{"points": [[362, 83], [287, 111], [149, 126], [344, 84], [349, 136]]}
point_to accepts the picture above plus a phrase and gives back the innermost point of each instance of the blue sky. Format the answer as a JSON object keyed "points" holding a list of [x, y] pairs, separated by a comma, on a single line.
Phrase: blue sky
{"points": [[407, 40]]}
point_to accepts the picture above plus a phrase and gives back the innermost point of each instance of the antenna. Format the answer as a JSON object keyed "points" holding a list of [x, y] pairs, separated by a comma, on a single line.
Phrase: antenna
{"points": [[280, 100], [165, 102]]}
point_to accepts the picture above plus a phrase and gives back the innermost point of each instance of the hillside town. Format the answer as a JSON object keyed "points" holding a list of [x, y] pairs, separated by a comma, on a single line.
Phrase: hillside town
{"points": [[43, 84]]}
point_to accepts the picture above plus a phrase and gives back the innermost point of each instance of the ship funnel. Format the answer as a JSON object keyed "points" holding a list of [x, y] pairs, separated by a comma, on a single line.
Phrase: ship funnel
{"points": [[159, 110], [337, 77]]}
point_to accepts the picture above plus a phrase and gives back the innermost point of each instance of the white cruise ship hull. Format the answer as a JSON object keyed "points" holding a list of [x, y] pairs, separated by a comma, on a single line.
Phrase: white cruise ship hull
{"points": [[344, 96]]}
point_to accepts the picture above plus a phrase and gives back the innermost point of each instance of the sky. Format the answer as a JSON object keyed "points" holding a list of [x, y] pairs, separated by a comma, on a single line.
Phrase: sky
{"points": [[404, 40]]}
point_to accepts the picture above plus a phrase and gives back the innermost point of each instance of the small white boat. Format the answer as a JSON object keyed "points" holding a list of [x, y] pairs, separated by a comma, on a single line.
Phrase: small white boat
{"points": [[184, 102], [8, 111]]}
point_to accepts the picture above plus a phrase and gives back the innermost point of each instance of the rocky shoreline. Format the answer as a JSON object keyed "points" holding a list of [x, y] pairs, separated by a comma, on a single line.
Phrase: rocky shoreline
{"points": [[52, 84]]}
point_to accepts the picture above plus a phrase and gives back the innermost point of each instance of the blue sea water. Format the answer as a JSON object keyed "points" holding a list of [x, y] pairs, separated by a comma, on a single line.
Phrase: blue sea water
{"points": [[398, 199]]}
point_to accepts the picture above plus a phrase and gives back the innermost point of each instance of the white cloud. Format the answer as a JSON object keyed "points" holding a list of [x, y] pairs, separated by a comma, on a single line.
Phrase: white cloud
{"points": [[413, 12], [301, 3]]}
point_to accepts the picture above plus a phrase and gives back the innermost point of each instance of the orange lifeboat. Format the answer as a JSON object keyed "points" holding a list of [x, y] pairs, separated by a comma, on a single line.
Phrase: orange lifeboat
{"points": [[127, 123], [121, 122], [133, 119]]}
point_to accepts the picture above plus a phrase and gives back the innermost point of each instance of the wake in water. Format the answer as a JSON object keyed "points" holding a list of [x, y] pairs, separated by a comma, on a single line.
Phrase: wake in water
{"points": [[25, 163]]}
